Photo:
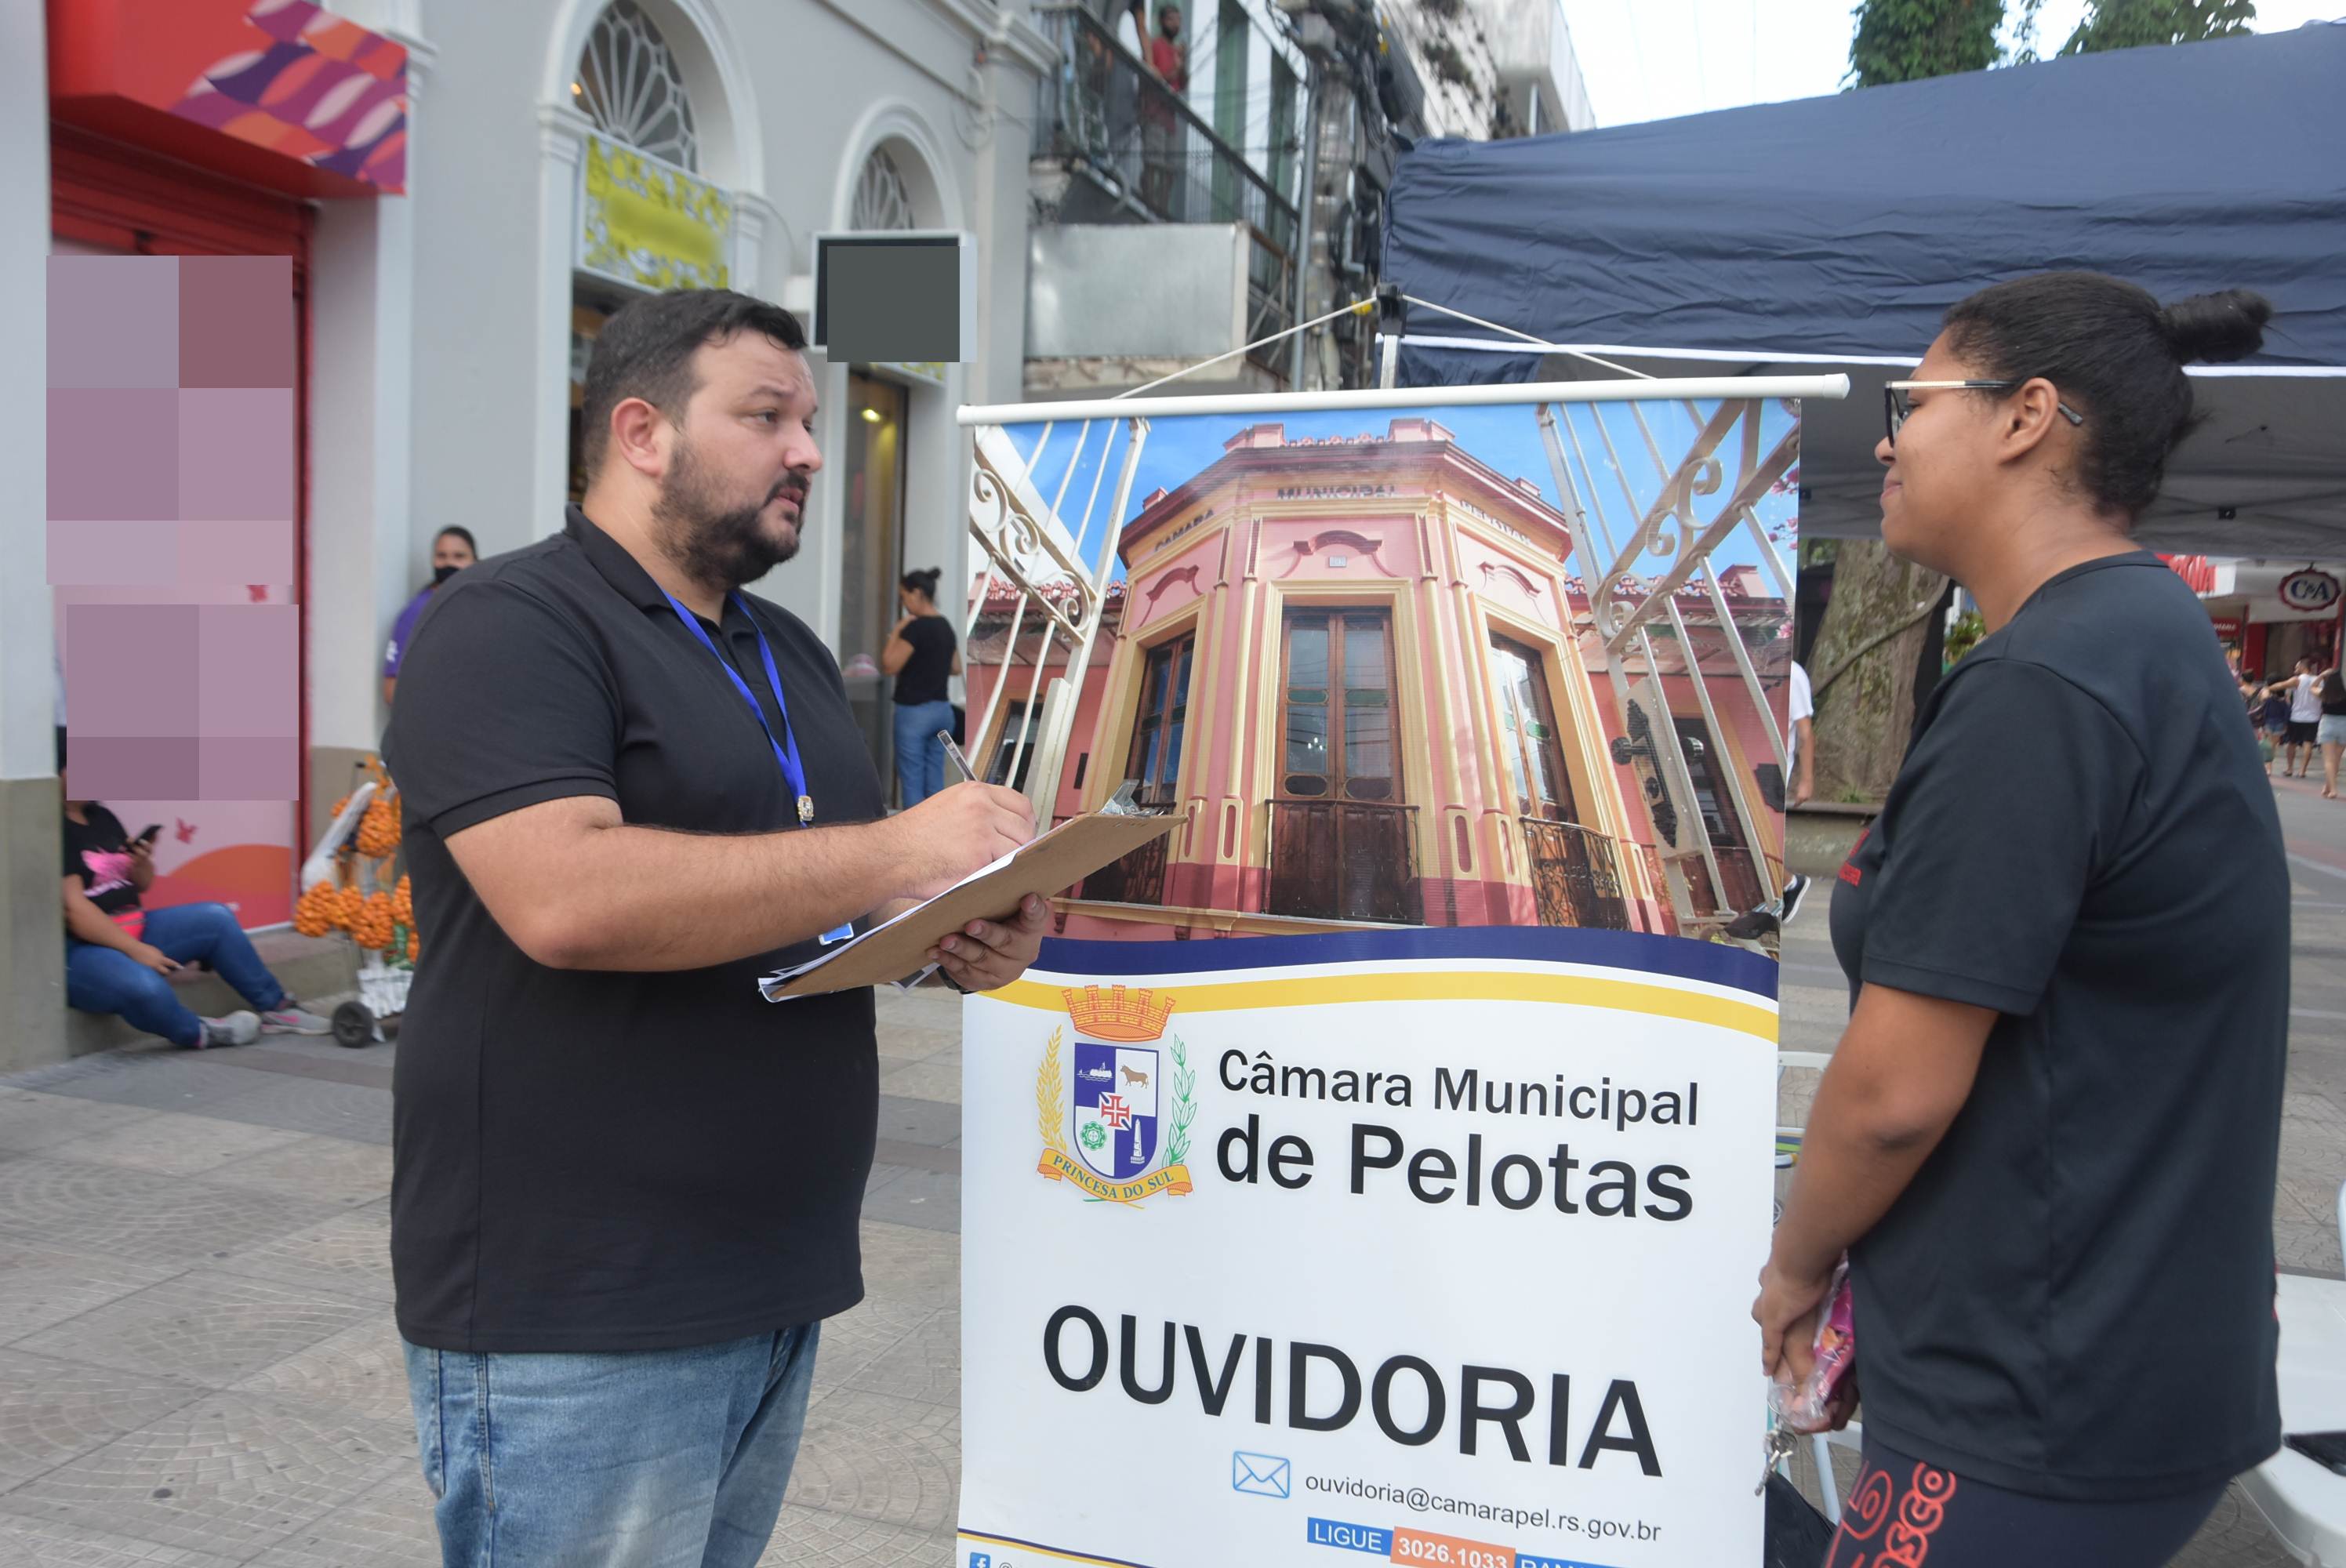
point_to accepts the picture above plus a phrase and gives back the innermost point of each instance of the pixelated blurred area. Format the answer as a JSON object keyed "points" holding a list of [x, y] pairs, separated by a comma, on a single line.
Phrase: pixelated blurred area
{"points": [[172, 555]]}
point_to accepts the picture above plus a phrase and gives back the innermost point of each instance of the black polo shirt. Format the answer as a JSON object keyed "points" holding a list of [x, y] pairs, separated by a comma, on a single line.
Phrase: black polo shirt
{"points": [[590, 1161], [2074, 1297]]}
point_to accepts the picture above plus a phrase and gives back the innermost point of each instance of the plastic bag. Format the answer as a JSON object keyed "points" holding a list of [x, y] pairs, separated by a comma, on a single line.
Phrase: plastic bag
{"points": [[1809, 1407]]}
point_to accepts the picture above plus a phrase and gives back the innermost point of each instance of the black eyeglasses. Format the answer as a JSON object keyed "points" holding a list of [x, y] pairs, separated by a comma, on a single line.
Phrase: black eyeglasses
{"points": [[1896, 405]]}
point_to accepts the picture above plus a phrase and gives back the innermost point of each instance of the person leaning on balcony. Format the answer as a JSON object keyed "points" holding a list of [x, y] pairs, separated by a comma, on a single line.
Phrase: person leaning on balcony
{"points": [[1160, 129], [2048, 1138], [1121, 89]]}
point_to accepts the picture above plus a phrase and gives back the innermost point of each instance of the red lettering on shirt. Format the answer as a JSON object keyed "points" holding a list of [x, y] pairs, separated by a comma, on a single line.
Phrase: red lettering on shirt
{"points": [[1849, 871]]}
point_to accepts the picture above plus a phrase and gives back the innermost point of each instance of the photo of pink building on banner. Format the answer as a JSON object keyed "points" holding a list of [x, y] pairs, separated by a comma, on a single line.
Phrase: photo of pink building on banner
{"points": [[1365, 669]]}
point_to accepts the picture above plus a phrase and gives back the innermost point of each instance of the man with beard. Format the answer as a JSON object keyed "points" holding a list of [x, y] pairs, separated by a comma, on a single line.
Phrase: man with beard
{"points": [[626, 1189]]}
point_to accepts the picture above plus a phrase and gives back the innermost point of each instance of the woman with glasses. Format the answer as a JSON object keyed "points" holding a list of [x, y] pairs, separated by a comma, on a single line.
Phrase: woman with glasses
{"points": [[2048, 1140]]}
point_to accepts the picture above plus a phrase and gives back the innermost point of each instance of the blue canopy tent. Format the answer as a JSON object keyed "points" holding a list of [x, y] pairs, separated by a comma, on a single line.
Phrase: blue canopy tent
{"points": [[1829, 234]]}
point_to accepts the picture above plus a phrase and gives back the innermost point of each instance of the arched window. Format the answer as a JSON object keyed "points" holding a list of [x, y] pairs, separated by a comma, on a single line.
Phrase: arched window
{"points": [[882, 200], [629, 85]]}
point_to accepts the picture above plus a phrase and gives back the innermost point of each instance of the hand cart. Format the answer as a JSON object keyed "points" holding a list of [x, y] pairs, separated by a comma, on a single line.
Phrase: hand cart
{"points": [[349, 893]]}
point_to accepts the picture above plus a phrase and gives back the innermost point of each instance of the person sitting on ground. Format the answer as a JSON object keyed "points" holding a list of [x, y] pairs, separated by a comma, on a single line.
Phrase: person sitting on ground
{"points": [[118, 956]]}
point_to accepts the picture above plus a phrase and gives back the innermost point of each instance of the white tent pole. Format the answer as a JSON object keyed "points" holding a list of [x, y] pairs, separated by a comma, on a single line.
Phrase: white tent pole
{"points": [[990, 742], [1704, 387], [1082, 440], [1732, 778], [1743, 664], [1526, 337], [1043, 784], [1719, 605], [1591, 568], [1678, 775]]}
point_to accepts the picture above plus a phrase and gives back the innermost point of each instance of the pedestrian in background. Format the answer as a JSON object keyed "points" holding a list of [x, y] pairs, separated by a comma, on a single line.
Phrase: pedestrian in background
{"points": [[2301, 732], [1164, 177], [1800, 747], [2048, 1138], [2273, 714], [2252, 701], [453, 550], [2331, 730], [923, 655]]}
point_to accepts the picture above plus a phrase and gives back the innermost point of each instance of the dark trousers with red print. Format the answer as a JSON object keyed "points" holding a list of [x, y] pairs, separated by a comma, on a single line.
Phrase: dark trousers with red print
{"points": [[1903, 1513]]}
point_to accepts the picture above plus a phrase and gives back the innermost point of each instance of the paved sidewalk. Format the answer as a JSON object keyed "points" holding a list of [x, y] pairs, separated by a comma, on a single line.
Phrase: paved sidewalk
{"points": [[197, 1366]]}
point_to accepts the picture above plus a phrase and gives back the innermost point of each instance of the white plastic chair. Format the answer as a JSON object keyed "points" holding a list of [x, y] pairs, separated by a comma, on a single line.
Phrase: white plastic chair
{"points": [[1788, 1139], [2303, 1503]]}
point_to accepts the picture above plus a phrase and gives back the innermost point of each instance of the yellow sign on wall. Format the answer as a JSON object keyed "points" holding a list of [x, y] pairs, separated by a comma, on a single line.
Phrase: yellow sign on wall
{"points": [[649, 224]]}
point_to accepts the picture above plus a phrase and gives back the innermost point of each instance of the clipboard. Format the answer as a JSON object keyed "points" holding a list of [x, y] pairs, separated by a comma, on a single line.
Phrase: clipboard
{"points": [[1050, 863]]}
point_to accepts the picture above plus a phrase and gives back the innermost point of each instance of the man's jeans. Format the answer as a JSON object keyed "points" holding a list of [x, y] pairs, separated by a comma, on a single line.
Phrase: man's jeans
{"points": [[920, 755], [106, 980], [642, 1459]]}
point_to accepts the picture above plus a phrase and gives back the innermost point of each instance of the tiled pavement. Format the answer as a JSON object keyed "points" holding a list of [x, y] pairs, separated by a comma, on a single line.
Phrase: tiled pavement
{"points": [[197, 1367]]}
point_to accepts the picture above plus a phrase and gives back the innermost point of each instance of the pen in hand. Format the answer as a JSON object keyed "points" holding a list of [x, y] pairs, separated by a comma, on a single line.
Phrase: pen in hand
{"points": [[954, 755]]}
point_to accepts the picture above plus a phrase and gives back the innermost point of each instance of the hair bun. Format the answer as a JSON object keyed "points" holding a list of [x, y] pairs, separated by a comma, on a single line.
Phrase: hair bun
{"points": [[2227, 325]]}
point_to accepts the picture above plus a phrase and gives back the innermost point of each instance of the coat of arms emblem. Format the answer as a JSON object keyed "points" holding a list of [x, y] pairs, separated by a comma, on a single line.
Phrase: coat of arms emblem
{"points": [[1114, 1113]]}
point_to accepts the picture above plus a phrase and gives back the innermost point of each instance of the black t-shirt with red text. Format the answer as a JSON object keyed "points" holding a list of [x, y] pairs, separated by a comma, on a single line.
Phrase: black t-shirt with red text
{"points": [[2074, 1297], [98, 852]]}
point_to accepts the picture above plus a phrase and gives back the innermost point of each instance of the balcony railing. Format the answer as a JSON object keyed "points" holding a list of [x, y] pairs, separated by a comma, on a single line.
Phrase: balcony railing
{"points": [[1341, 859], [1741, 875], [1104, 112], [1136, 879], [1575, 877]]}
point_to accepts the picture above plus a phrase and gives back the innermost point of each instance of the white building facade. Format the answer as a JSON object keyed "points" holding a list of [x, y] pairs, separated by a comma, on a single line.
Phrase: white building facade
{"points": [[446, 326]]}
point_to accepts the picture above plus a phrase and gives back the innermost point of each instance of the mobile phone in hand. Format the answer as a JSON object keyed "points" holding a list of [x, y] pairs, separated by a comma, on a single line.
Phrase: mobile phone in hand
{"points": [[149, 833]]}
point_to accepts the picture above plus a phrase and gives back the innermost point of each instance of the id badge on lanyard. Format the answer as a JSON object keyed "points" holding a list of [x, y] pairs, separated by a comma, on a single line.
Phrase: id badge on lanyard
{"points": [[786, 749]]}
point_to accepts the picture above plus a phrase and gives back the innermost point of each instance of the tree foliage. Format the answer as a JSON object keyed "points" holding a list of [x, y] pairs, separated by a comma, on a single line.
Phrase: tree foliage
{"points": [[1909, 40], [1873, 635], [2131, 23]]}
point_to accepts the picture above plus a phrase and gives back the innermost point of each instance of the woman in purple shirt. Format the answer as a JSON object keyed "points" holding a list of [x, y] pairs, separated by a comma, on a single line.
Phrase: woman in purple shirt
{"points": [[452, 551]]}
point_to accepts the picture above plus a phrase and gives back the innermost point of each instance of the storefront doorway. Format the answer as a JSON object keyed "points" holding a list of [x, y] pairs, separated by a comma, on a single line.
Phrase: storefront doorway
{"points": [[591, 305], [870, 465], [109, 199]]}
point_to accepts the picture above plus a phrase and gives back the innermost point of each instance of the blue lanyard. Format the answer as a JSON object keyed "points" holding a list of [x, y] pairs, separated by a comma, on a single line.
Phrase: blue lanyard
{"points": [[786, 750]]}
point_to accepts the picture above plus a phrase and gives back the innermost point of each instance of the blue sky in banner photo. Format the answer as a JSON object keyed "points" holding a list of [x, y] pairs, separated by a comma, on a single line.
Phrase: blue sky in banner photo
{"points": [[1505, 437]]}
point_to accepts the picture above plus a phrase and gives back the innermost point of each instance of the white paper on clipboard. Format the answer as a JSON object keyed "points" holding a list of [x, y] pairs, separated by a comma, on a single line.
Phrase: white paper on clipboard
{"points": [[898, 947]]}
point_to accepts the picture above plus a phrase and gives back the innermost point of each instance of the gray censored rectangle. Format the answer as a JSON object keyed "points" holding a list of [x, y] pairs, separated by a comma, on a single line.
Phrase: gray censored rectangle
{"points": [[173, 416]]}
